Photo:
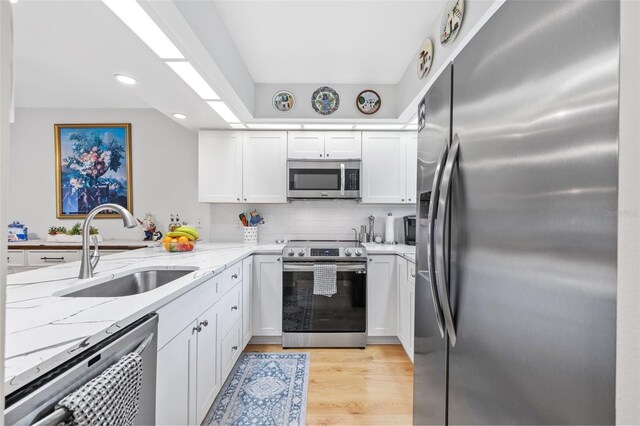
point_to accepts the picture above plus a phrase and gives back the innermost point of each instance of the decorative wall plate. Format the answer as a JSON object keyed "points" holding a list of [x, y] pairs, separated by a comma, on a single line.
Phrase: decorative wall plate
{"points": [[451, 21], [284, 101], [325, 100], [425, 58], [368, 102]]}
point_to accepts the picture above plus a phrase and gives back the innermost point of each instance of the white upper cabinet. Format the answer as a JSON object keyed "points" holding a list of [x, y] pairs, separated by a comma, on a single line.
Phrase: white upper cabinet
{"points": [[220, 167], [343, 145], [264, 167], [412, 167], [306, 145], [384, 159], [325, 145], [239, 167]]}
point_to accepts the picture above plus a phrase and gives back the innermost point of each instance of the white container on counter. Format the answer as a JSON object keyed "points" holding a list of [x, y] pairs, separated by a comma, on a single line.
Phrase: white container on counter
{"points": [[250, 234]]}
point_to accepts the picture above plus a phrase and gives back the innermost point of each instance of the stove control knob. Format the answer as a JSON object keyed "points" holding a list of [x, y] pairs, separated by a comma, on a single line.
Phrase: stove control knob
{"points": [[347, 252], [290, 252], [301, 252], [358, 252]]}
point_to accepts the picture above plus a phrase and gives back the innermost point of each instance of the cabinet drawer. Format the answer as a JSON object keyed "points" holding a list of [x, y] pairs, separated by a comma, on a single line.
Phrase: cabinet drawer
{"points": [[229, 309], [15, 258], [179, 313], [411, 272], [230, 349], [230, 277], [51, 257]]}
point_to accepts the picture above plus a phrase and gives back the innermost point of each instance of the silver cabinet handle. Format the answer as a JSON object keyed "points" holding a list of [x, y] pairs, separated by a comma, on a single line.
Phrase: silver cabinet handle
{"points": [[441, 223], [402, 200], [234, 276], [52, 259], [430, 274], [234, 308], [197, 329], [413, 275], [342, 179], [204, 323], [238, 199], [245, 199], [235, 348], [320, 155]]}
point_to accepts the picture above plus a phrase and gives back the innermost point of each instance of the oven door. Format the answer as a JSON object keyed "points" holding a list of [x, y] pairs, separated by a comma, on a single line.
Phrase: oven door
{"points": [[323, 179], [344, 312]]}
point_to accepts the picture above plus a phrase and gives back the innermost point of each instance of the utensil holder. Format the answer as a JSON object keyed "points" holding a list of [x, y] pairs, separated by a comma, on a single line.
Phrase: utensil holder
{"points": [[250, 234]]}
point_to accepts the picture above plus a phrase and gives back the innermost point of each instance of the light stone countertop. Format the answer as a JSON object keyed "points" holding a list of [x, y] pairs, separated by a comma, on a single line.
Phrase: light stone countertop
{"points": [[40, 325], [408, 252]]}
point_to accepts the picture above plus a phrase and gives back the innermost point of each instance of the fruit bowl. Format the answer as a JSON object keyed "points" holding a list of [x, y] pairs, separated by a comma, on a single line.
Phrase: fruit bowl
{"points": [[178, 246]]}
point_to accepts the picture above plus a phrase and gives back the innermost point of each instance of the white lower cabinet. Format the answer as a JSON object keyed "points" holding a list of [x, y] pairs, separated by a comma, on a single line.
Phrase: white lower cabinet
{"points": [[382, 296], [231, 348], [406, 304], [247, 297], [208, 381], [267, 295], [176, 380]]}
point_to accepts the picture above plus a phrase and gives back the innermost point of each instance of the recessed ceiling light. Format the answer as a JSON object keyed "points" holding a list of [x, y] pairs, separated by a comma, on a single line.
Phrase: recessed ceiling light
{"points": [[223, 111], [179, 116], [188, 73], [274, 126], [328, 126], [379, 126], [125, 79], [134, 16]]}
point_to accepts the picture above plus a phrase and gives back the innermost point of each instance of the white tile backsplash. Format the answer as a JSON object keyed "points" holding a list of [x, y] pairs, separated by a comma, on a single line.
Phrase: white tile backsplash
{"points": [[326, 219]]}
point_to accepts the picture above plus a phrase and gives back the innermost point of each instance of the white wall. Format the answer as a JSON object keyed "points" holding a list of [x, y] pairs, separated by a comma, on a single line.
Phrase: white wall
{"points": [[324, 219], [410, 88], [164, 169], [5, 108], [628, 333]]}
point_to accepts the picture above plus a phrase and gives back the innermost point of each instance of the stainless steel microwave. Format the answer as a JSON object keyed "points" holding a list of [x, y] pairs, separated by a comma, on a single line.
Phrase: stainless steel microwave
{"points": [[311, 179]]}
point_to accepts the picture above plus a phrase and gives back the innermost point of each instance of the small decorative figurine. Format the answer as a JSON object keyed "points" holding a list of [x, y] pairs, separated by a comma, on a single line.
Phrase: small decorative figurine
{"points": [[149, 225]]}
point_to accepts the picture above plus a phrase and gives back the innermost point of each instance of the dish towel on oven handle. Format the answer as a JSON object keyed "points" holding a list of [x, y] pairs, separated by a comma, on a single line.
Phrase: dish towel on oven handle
{"points": [[111, 399], [324, 279]]}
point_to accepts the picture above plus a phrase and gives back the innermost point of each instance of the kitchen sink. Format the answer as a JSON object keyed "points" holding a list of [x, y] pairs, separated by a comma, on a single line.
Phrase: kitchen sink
{"points": [[134, 283]]}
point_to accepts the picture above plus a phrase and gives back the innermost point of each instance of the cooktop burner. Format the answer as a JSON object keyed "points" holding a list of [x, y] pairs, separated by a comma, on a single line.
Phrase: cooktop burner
{"points": [[325, 251]]}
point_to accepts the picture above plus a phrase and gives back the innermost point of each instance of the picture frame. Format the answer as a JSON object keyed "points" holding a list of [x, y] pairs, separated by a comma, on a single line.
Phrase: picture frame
{"points": [[92, 167]]}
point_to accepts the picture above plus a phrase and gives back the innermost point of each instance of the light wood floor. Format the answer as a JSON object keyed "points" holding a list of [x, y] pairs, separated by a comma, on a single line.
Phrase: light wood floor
{"points": [[373, 386]]}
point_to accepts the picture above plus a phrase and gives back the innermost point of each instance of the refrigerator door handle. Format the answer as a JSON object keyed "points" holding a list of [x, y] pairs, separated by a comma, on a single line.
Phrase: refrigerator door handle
{"points": [[430, 274], [440, 225]]}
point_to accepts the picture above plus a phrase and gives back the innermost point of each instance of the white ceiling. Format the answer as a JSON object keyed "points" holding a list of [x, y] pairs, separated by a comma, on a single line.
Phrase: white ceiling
{"points": [[330, 41], [66, 53]]}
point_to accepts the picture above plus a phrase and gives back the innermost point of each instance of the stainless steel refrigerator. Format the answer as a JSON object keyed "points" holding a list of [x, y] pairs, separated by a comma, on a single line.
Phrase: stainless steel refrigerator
{"points": [[517, 230]]}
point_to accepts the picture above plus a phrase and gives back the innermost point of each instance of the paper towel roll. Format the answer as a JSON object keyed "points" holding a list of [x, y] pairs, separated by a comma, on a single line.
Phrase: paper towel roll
{"points": [[389, 229]]}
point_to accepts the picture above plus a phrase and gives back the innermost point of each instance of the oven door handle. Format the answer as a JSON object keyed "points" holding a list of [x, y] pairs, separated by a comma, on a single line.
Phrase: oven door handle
{"points": [[308, 267], [342, 179]]}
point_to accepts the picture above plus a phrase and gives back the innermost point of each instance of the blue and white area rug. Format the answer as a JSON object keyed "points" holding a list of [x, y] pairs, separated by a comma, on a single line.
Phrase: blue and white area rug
{"points": [[263, 389]]}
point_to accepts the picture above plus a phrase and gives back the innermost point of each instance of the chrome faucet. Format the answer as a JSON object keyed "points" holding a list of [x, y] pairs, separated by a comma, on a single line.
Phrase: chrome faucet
{"points": [[89, 261]]}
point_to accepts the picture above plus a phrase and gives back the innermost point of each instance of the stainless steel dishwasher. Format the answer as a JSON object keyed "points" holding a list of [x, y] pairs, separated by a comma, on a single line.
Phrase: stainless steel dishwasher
{"points": [[31, 397]]}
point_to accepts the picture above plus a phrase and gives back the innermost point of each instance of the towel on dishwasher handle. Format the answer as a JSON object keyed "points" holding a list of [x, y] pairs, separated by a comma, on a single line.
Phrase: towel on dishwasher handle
{"points": [[324, 279], [112, 398]]}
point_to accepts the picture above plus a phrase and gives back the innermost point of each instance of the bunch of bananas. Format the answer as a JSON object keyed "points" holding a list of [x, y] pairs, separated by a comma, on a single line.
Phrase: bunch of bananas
{"points": [[184, 231]]}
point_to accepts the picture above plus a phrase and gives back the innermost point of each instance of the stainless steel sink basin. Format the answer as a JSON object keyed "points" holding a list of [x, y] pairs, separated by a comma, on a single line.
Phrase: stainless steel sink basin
{"points": [[134, 283]]}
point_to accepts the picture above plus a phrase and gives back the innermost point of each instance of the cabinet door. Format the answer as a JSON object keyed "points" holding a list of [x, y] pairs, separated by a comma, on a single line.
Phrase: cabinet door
{"points": [[412, 167], [403, 303], [384, 159], [382, 296], [412, 318], [208, 376], [176, 380], [305, 145], [343, 145], [267, 295], [264, 167], [219, 167], [247, 282]]}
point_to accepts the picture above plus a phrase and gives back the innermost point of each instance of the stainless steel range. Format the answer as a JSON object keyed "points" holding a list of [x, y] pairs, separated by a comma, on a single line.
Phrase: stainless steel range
{"points": [[313, 320]]}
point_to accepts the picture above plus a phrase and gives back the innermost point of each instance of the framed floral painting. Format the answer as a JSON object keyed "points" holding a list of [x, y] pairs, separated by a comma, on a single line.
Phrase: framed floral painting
{"points": [[93, 167]]}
